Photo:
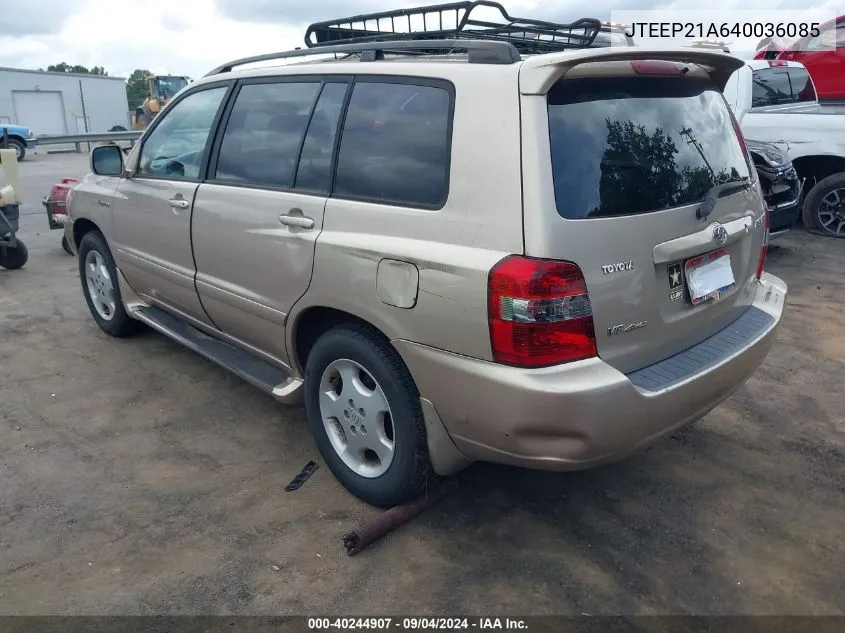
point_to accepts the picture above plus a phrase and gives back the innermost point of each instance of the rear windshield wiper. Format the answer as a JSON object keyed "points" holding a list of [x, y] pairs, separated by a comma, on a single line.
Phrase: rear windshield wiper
{"points": [[717, 191]]}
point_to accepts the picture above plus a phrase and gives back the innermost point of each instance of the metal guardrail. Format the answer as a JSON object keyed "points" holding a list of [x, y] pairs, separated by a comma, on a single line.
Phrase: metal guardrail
{"points": [[70, 139]]}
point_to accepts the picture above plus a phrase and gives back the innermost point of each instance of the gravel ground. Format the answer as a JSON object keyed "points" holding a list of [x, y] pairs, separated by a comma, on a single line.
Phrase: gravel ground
{"points": [[140, 479]]}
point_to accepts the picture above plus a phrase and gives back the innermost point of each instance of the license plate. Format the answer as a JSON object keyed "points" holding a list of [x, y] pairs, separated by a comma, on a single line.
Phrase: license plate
{"points": [[709, 276]]}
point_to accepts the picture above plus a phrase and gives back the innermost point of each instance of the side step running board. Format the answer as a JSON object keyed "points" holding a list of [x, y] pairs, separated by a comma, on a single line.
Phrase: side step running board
{"points": [[256, 371]]}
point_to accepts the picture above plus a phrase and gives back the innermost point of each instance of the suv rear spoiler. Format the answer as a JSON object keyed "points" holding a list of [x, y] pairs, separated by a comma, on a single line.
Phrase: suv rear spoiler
{"points": [[539, 73]]}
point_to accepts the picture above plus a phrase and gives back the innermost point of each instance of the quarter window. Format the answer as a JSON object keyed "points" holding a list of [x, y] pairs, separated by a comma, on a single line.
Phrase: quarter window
{"points": [[175, 147], [264, 133], [395, 145]]}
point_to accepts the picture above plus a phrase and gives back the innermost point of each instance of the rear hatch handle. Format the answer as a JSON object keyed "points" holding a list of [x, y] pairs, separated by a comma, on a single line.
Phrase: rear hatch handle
{"points": [[716, 192], [695, 243]]}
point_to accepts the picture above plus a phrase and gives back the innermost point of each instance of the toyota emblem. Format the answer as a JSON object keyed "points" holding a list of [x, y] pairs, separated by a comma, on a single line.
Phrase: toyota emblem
{"points": [[720, 235]]}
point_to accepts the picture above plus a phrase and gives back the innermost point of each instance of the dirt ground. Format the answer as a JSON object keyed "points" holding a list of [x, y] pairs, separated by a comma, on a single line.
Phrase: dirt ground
{"points": [[138, 478]]}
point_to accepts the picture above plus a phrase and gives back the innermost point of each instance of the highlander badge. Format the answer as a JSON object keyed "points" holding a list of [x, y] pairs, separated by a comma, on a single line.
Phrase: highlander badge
{"points": [[624, 328]]}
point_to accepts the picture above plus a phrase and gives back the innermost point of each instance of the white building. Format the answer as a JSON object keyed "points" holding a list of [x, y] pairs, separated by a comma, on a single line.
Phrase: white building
{"points": [[62, 103]]}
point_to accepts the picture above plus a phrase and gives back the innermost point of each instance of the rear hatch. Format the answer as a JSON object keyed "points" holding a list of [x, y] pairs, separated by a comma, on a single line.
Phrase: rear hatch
{"points": [[645, 183]]}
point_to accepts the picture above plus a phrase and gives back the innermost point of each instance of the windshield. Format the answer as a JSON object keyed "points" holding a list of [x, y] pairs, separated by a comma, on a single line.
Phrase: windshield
{"points": [[631, 145], [169, 86]]}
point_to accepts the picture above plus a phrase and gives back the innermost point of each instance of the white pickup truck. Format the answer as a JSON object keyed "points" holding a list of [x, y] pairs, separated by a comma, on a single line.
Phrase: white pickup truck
{"points": [[775, 102]]}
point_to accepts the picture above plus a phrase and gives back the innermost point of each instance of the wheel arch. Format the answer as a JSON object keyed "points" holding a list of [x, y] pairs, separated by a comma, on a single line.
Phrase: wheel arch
{"points": [[307, 324], [81, 227], [816, 167], [311, 322]]}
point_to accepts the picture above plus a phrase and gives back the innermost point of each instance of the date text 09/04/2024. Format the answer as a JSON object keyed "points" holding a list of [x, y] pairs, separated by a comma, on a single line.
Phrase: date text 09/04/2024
{"points": [[723, 29], [416, 624]]}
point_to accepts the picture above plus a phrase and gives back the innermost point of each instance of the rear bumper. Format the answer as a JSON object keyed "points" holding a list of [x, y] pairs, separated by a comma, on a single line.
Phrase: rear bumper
{"points": [[587, 413]]}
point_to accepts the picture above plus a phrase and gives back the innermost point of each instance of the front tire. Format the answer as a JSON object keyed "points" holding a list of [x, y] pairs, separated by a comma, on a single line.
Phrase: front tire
{"points": [[824, 207], [98, 274], [364, 412]]}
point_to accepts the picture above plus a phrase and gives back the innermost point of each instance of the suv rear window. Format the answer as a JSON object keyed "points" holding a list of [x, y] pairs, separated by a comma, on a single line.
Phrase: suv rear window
{"points": [[632, 145]]}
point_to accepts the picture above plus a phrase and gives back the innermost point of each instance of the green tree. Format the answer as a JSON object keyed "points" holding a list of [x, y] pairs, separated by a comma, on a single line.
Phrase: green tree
{"points": [[136, 87], [64, 67]]}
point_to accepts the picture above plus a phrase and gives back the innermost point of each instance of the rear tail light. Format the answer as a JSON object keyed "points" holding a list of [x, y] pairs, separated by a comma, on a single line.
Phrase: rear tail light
{"points": [[539, 313], [59, 194], [765, 245]]}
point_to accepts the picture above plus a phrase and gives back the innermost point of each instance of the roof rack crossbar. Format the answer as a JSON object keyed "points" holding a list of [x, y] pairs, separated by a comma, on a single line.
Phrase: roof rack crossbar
{"points": [[478, 51], [528, 36]]}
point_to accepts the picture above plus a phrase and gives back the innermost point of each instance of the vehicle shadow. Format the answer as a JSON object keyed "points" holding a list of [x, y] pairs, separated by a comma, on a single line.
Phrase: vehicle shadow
{"points": [[709, 521]]}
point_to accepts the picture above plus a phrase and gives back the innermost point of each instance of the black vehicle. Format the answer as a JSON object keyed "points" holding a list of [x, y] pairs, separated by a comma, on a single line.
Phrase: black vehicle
{"points": [[780, 183]]}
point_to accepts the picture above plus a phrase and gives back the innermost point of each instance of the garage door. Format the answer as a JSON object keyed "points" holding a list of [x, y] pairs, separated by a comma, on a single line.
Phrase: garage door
{"points": [[42, 111]]}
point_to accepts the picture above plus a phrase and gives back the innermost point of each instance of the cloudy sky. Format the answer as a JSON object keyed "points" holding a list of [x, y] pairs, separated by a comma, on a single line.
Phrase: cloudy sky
{"points": [[189, 37]]}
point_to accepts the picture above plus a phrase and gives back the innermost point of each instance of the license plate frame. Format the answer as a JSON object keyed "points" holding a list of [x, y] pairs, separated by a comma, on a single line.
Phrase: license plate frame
{"points": [[709, 276]]}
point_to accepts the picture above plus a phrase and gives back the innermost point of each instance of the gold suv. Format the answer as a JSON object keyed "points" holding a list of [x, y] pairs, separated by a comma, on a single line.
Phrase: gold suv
{"points": [[453, 246]]}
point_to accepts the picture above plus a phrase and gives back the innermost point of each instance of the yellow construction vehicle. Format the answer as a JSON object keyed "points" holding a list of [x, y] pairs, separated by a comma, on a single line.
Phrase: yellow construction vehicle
{"points": [[160, 90]]}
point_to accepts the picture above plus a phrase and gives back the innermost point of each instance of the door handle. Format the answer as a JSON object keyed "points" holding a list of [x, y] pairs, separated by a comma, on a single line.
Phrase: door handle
{"points": [[295, 218], [178, 203], [104, 203]]}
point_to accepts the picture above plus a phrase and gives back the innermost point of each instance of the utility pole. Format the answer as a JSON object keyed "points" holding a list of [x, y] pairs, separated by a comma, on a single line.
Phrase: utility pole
{"points": [[691, 140]]}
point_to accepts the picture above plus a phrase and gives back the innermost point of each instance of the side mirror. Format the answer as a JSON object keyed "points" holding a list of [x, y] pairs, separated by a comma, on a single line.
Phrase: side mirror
{"points": [[107, 160]]}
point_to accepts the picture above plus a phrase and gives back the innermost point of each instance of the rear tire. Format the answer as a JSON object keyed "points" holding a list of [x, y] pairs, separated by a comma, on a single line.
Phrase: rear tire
{"points": [[377, 405], [14, 258], [98, 274], [820, 213]]}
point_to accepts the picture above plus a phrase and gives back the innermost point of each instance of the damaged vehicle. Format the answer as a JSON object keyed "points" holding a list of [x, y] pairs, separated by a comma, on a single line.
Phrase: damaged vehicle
{"points": [[780, 183]]}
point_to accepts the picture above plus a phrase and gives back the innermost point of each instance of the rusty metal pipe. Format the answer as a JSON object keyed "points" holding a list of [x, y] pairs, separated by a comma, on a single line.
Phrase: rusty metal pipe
{"points": [[391, 519]]}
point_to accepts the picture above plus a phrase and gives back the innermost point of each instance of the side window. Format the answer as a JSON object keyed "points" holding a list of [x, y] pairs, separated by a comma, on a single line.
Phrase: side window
{"points": [[825, 40], [174, 149], [315, 164], [802, 85], [770, 87], [395, 145], [264, 133]]}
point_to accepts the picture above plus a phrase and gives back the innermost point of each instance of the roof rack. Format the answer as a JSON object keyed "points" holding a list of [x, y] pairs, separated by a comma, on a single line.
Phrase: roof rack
{"points": [[454, 21], [484, 42]]}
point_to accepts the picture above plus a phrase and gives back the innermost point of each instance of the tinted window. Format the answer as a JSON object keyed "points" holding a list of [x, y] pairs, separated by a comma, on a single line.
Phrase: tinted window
{"points": [[828, 39], [770, 87], [174, 149], [623, 146], [264, 133], [802, 85], [395, 144], [315, 164]]}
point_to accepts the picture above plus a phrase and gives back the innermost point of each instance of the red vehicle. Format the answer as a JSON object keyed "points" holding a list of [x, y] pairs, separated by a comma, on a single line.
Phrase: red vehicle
{"points": [[826, 66]]}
